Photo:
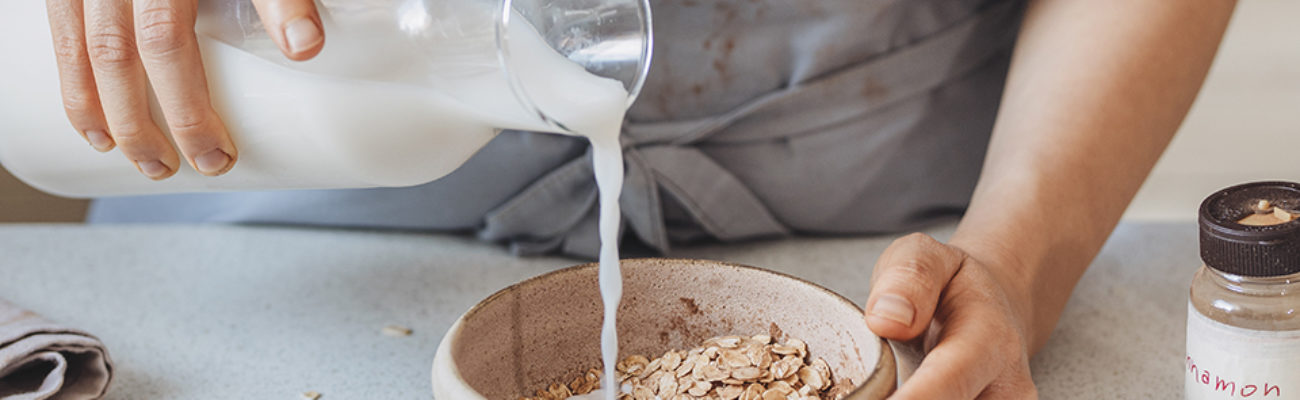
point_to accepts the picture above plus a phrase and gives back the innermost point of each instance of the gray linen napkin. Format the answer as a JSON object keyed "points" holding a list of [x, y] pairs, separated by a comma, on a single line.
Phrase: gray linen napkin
{"points": [[40, 360]]}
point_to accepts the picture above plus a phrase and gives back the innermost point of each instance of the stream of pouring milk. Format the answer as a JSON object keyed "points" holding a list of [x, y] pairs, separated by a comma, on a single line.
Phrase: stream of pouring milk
{"points": [[601, 126], [599, 117], [607, 160]]}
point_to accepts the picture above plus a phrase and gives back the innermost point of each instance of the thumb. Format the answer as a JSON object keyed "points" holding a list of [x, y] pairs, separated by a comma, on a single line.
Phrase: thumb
{"points": [[906, 284], [294, 24]]}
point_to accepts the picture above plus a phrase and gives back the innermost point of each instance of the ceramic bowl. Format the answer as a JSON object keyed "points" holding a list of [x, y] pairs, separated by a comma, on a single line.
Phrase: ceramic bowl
{"points": [[547, 329]]}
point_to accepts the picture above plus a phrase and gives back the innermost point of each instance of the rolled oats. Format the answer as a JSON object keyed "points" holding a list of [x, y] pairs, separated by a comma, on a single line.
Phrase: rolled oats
{"points": [[724, 368]]}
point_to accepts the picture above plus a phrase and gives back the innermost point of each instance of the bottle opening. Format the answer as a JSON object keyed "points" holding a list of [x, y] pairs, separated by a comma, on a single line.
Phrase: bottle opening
{"points": [[567, 61]]}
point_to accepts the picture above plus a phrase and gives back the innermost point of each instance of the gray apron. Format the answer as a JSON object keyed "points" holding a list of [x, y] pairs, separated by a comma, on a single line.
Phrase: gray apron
{"points": [[760, 118]]}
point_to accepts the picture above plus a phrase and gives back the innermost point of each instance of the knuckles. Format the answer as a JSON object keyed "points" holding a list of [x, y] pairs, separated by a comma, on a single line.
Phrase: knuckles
{"points": [[159, 32], [111, 47], [70, 50], [79, 103], [915, 273], [187, 123], [162, 31], [916, 238], [131, 135]]}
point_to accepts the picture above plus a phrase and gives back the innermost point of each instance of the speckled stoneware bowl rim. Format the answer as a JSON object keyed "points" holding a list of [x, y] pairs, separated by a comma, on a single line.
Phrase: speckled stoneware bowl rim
{"points": [[882, 380]]}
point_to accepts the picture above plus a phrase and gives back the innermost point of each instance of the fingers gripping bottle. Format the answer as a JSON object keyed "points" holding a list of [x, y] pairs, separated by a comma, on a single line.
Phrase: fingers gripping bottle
{"points": [[403, 92], [1243, 318]]}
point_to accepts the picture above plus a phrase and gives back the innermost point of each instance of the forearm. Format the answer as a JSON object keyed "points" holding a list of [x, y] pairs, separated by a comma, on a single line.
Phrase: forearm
{"points": [[1095, 92]]}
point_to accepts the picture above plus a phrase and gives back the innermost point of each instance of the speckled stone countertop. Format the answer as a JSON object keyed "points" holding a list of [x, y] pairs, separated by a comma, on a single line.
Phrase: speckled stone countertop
{"points": [[219, 312]]}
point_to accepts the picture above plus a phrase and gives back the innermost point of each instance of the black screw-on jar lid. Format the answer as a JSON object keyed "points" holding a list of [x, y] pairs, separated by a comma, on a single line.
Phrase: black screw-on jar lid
{"points": [[1248, 250]]}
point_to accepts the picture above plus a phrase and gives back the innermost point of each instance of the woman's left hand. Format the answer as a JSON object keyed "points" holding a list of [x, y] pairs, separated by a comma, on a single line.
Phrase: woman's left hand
{"points": [[976, 315]]}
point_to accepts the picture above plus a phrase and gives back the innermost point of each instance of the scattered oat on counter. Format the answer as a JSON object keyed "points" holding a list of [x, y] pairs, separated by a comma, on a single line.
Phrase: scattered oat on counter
{"points": [[311, 395], [725, 368], [396, 331]]}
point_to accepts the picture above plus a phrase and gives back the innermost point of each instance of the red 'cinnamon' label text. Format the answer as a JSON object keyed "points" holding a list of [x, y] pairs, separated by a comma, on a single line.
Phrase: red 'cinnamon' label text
{"points": [[1233, 388]]}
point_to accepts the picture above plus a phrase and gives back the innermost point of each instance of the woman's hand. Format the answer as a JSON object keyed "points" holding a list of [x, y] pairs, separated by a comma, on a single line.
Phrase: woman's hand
{"points": [[1093, 96], [109, 50], [978, 317]]}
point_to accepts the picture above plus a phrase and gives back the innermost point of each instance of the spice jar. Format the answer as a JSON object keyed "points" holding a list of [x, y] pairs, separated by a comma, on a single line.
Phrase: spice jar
{"points": [[1243, 317]]}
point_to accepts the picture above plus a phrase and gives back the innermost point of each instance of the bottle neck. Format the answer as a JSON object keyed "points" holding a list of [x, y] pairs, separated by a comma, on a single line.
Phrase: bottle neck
{"points": [[1255, 285]]}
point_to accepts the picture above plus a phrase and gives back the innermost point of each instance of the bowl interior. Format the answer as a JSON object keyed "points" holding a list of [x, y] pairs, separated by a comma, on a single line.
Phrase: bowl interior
{"points": [[547, 329]]}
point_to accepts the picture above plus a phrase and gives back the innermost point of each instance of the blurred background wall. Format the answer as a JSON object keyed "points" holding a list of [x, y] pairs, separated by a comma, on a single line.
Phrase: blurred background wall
{"points": [[1246, 124], [1244, 127]]}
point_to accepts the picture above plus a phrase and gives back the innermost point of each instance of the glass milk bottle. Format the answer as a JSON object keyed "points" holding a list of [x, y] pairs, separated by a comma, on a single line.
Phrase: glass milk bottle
{"points": [[403, 92], [1243, 324]]}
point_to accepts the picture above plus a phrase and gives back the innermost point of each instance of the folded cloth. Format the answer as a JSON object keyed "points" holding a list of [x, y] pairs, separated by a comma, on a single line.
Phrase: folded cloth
{"points": [[40, 360]]}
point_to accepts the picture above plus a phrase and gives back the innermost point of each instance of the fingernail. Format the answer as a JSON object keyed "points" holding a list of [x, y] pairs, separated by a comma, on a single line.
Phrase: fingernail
{"points": [[213, 162], [894, 308], [302, 34], [99, 140], [153, 169]]}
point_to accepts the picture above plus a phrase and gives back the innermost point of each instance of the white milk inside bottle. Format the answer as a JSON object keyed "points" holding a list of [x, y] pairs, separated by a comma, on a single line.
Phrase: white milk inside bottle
{"points": [[368, 119]]}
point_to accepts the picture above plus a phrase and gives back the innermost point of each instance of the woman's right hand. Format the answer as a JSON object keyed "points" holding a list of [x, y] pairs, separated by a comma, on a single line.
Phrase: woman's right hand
{"points": [[110, 50]]}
